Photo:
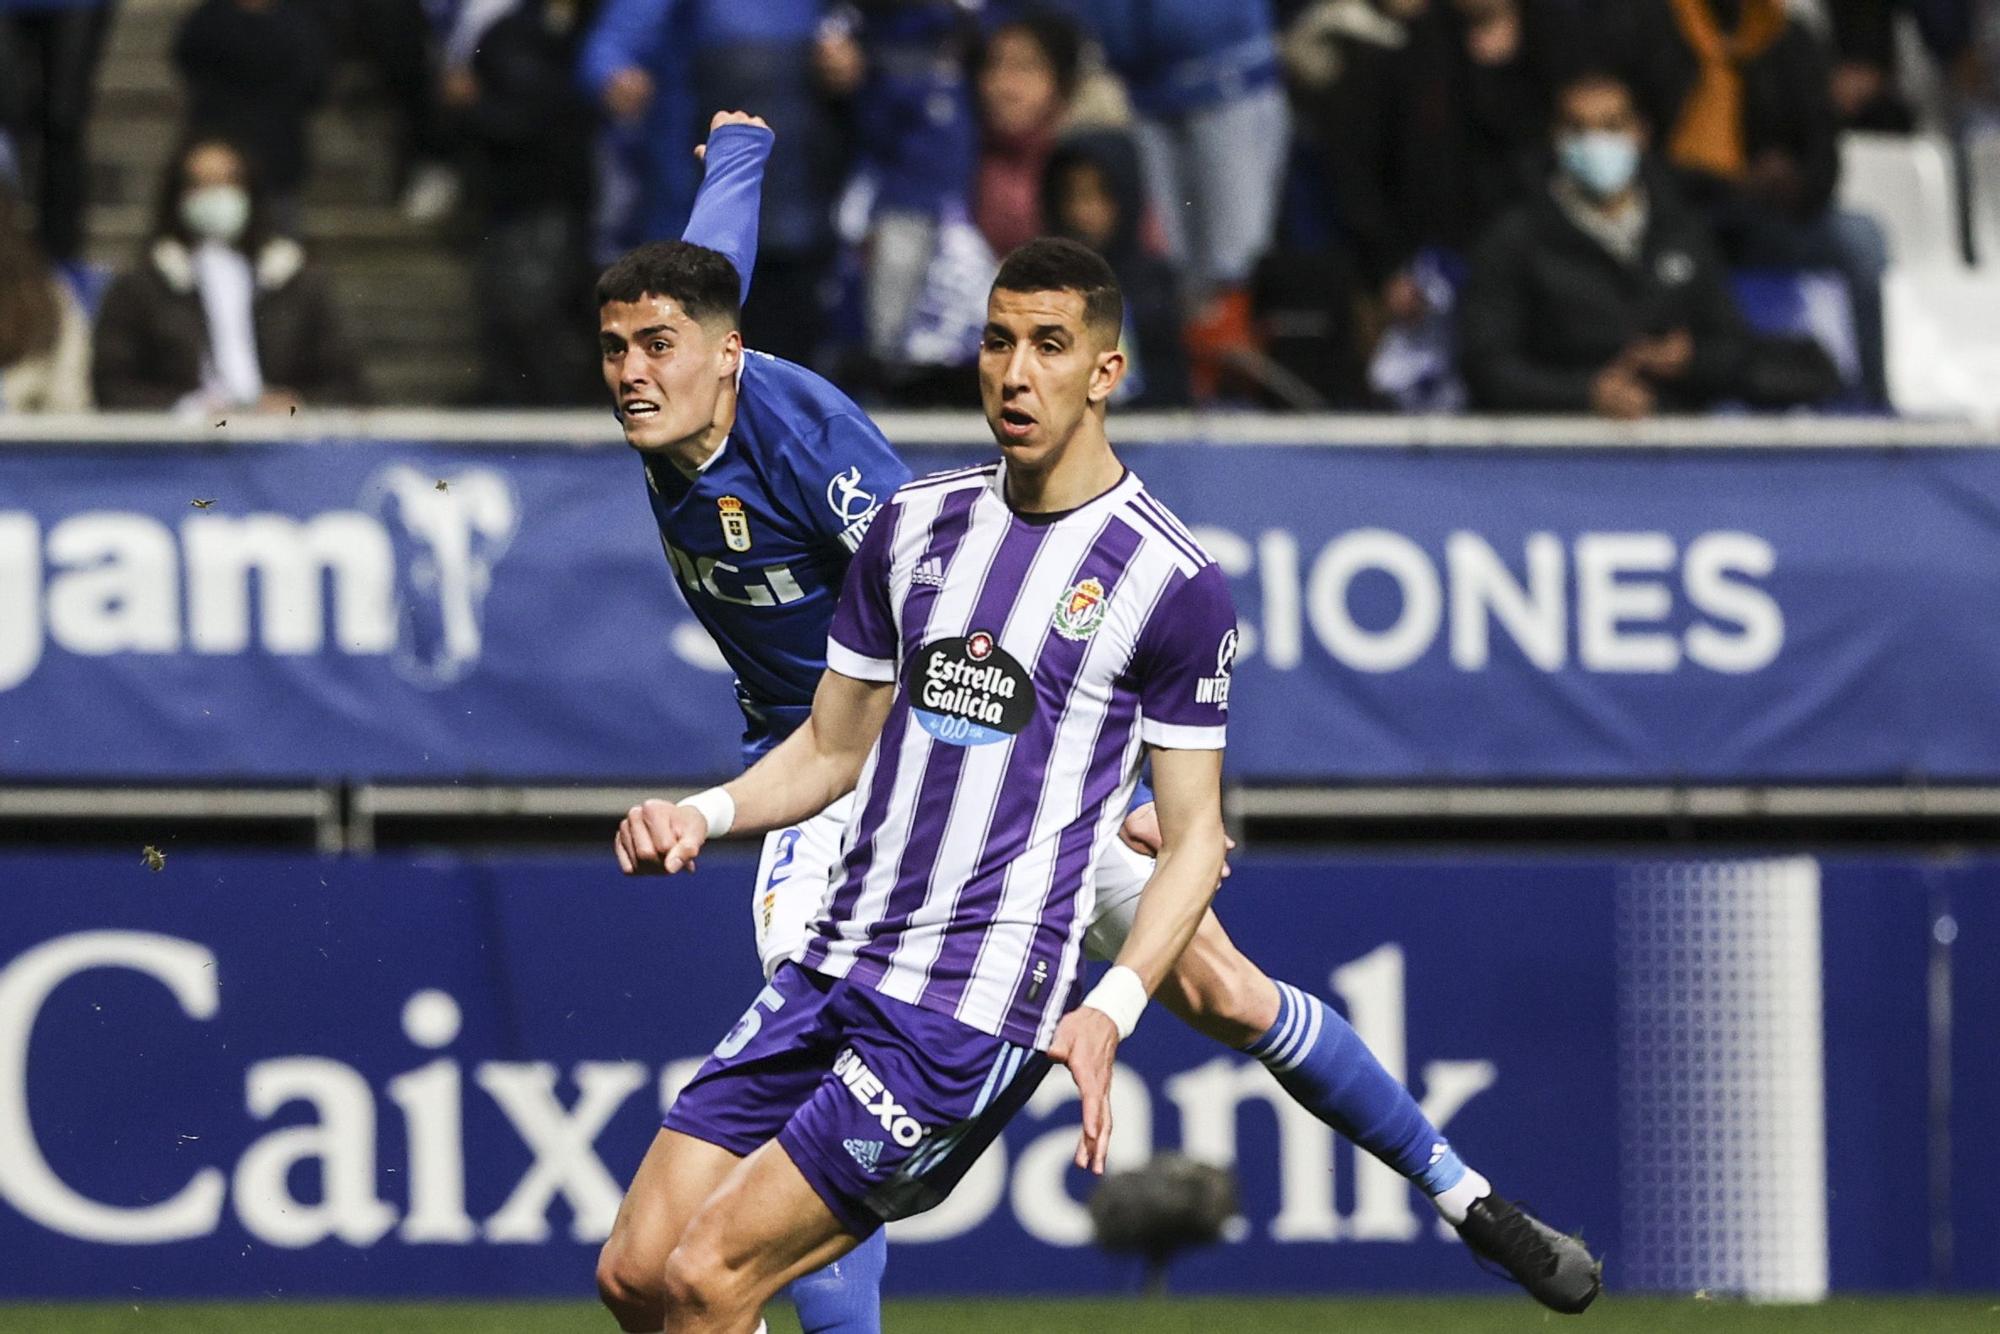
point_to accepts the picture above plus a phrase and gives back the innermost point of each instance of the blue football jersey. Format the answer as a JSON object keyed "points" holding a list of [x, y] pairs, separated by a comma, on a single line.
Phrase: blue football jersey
{"points": [[760, 540]]}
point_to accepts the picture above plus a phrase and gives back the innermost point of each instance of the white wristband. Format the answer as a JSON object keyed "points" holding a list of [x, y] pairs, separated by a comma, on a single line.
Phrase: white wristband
{"points": [[719, 808], [1121, 996]]}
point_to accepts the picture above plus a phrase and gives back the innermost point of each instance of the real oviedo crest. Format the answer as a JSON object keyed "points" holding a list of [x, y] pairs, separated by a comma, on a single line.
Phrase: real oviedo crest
{"points": [[735, 523], [1081, 610]]}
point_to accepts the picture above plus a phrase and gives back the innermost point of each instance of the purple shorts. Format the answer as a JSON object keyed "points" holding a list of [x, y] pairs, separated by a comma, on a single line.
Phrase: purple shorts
{"points": [[881, 1105]]}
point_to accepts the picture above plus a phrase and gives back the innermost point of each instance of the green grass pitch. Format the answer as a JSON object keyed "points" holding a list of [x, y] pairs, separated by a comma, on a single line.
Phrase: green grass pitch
{"points": [[1612, 1315]]}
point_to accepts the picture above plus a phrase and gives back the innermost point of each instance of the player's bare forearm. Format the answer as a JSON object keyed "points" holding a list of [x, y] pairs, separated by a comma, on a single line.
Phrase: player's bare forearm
{"points": [[1187, 791], [819, 763], [1187, 788], [806, 773]]}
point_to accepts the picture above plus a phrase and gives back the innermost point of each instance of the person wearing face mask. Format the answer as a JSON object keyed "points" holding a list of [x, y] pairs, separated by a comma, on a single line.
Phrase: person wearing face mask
{"points": [[1604, 294], [1740, 93], [219, 315]]}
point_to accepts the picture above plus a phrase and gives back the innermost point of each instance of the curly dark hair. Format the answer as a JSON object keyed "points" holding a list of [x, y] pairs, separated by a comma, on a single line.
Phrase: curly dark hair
{"points": [[704, 281]]}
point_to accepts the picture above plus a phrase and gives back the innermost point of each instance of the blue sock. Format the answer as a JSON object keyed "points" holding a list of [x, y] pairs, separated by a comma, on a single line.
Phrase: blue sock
{"points": [[1322, 1062], [846, 1296]]}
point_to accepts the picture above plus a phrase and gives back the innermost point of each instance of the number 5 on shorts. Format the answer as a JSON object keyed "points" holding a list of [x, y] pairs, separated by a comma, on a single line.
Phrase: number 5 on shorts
{"points": [[747, 1027]]}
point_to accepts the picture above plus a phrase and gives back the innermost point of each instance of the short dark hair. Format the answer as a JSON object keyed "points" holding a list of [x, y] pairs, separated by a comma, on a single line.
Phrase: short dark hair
{"points": [[1060, 42], [1058, 264], [704, 281], [1592, 76]]}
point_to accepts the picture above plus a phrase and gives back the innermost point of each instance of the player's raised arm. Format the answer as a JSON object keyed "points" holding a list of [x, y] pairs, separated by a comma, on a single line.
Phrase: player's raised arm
{"points": [[732, 189]]}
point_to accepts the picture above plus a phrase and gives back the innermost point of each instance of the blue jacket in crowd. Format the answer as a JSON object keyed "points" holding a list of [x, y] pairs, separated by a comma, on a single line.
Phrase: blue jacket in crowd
{"points": [[707, 56], [1179, 55]]}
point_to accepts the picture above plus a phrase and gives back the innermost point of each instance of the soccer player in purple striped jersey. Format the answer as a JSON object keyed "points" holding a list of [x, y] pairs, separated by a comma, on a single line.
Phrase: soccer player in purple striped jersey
{"points": [[1315, 1055], [1012, 642]]}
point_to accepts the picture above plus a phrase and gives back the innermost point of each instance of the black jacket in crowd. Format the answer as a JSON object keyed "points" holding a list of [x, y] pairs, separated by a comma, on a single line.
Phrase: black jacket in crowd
{"points": [[1546, 307], [1426, 147], [253, 76], [152, 331], [528, 134], [1787, 102]]}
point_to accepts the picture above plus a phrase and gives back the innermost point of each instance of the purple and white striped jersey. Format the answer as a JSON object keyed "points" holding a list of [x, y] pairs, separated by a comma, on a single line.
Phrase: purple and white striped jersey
{"points": [[1034, 655]]}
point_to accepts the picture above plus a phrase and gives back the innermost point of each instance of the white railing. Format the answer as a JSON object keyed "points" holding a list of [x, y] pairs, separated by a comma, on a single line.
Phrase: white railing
{"points": [[587, 429]]}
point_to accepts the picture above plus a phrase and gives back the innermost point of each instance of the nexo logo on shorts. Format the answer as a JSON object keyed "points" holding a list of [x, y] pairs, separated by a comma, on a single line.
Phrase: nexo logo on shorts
{"points": [[970, 691], [852, 1071]]}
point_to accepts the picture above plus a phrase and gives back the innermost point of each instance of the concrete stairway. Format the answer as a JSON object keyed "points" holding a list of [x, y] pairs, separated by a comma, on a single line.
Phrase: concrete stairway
{"points": [[406, 290]]}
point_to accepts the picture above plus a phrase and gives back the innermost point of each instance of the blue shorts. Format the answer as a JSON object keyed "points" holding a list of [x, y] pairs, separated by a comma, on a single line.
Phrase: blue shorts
{"points": [[881, 1105]]}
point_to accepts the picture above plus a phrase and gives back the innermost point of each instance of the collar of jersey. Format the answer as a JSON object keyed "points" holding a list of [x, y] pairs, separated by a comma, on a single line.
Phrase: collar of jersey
{"points": [[1113, 495], [709, 462], [742, 360]]}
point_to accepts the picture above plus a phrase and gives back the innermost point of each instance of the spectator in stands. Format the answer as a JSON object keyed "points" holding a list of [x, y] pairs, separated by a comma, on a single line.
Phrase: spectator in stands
{"points": [[220, 314], [254, 71], [55, 47], [1740, 94], [1095, 195], [44, 334], [394, 39], [1213, 130], [905, 64], [1427, 143], [527, 138], [1605, 294], [668, 67], [1027, 72], [636, 65], [1866, 90]]}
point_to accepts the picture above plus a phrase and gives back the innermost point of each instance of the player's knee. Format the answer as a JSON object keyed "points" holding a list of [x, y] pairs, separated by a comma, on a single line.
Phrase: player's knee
{"points": [[1222, 995], [698, 1284], [633, 1296]]}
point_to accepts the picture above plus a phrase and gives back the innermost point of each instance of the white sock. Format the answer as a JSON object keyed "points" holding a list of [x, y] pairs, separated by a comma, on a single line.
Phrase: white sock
{"points": [[1453, 1201]]}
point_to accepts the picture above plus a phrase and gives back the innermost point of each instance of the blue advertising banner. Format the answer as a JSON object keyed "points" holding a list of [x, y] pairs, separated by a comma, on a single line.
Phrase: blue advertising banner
{"points": [[260, 1074], [404, 611]]}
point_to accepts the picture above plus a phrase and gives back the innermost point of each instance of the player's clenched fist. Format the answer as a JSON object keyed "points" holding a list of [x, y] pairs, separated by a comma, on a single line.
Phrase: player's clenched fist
{"points": [[659, 838], [722, 118]]}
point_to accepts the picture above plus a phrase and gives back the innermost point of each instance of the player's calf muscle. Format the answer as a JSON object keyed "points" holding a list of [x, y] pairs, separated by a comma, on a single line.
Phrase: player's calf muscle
{"points": [[1218, 991]]}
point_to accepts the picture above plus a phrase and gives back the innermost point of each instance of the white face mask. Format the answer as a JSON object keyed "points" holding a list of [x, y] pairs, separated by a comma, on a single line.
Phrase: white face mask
{"points": [[216, 212], [1603, 162]]}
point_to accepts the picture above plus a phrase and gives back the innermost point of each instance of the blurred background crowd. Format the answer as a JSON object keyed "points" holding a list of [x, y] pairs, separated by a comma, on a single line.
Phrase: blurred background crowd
{"points": [[1619, 207]]}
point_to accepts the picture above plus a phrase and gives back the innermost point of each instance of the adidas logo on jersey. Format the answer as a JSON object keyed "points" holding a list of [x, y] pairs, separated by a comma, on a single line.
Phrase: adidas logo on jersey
{"points": [[930, 571], [867, 1152]]}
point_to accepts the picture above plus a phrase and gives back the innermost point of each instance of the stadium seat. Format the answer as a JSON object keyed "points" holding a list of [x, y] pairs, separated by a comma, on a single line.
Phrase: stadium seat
{"points": [[1906, 182], [1812, 304], [1944, 346]]}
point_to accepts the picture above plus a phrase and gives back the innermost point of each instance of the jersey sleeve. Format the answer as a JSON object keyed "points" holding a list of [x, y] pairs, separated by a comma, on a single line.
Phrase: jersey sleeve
{"points": [[863, 639], [1185, 656], [732, 188], [842, 484]]}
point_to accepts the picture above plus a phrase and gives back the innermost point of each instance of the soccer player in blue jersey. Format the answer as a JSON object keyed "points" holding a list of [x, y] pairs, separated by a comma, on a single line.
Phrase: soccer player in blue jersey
{"points": [[762, 479]]}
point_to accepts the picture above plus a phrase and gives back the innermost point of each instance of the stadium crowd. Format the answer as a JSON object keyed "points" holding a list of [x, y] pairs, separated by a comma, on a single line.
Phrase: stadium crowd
{"points": [[1503, 205]]}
